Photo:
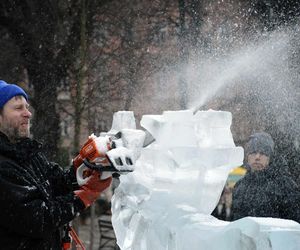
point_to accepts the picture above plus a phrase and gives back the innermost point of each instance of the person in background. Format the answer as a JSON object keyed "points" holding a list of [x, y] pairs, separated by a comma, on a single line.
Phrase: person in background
{"points": [[220, 210], [267, 189], [228, 202], [223, 209], [37, 197]]}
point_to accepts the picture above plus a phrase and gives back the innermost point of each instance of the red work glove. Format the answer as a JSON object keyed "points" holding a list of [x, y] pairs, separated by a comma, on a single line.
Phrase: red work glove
{"points": [[91, 190]]}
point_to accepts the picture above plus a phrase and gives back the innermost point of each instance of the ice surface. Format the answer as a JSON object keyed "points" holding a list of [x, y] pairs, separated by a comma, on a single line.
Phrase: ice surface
{"points": [[173, 128], [122, 120], [166, 202], [133, 139], [213, 129]]}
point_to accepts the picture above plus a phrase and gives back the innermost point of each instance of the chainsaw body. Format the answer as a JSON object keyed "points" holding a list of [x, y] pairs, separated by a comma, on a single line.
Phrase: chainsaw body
{"points": [[107, 154]]}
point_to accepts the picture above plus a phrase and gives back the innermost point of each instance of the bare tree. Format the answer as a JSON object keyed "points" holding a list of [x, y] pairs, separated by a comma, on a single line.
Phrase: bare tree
{"points": [[45, 33]]}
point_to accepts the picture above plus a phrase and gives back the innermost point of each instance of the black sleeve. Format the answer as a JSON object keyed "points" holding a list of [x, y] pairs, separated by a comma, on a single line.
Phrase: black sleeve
{"points": [[289, 198], [237, 200], [233, 206], [62, 180], [27, 211]]}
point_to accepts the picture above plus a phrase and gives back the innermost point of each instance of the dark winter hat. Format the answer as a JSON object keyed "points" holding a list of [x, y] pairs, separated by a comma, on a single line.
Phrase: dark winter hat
{"points": [[260, 143], [8, 91]]}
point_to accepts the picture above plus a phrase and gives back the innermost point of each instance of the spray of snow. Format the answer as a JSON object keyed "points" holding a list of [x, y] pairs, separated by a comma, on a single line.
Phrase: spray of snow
{"points": [[262, 63], [264, 70]]}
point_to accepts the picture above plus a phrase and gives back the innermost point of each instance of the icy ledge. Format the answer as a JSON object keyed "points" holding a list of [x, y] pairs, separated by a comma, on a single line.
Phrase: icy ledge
{"points": [[165, 204]]}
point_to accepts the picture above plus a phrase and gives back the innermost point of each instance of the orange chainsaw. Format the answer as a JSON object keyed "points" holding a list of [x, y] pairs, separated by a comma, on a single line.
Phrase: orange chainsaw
{"points": [[110, 154]]}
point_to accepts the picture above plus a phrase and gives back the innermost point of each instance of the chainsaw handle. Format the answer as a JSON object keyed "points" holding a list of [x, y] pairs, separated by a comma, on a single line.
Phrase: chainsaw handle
{"points": [[80, 173]]}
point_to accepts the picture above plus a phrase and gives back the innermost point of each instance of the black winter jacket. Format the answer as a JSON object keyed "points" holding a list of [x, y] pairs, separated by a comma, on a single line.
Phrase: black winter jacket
{"points": [[268, 193], [36, 197]]}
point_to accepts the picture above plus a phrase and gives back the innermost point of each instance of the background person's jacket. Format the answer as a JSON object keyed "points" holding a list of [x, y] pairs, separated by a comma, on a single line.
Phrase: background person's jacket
{"points": [[271, 192], [36, 197]]}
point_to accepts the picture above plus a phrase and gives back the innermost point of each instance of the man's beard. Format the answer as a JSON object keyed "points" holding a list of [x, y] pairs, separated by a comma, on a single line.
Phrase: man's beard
{"points": [[15, 134]]}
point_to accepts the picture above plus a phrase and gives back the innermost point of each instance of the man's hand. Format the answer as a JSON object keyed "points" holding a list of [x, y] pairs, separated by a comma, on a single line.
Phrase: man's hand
{"points": [[91, 190]]}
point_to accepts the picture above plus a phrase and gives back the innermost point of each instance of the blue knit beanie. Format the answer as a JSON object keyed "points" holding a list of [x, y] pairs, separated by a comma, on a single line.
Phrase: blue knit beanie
{"points": [[8, 91]]}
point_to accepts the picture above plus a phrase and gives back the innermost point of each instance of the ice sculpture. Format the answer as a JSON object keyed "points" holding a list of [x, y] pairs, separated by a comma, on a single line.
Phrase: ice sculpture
{"points": [[165, 204]]}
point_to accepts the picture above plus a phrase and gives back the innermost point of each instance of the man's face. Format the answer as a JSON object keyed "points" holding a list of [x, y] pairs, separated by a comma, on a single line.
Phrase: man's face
{"points": [[15, 118], [258, 161]]}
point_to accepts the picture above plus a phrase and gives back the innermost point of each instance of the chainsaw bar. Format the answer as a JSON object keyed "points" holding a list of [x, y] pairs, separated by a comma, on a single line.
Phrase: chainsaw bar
{"points": [[101, 168]]}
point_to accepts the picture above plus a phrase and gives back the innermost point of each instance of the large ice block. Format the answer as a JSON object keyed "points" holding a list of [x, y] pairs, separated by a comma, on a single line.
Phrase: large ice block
{"points": [[192, 154], [165, 204]]}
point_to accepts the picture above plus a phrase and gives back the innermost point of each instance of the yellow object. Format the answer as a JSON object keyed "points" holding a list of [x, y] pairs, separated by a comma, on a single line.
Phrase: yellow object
{"points": [[238, 171], [235, 175]]}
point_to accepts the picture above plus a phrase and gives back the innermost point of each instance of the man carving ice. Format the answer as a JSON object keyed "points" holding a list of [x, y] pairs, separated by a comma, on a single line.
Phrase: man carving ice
{"points": [[268, 189], [37, 197]]}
